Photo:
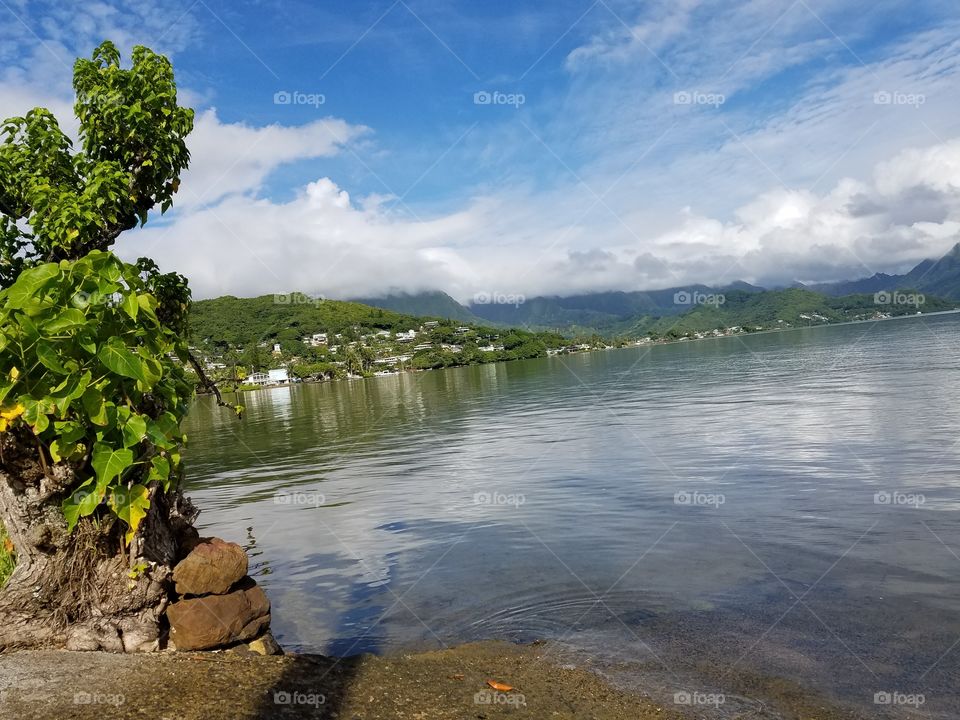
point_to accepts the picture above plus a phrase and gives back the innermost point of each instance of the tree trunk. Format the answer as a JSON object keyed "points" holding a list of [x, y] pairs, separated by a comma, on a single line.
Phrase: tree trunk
{"points": [[79, 590]]}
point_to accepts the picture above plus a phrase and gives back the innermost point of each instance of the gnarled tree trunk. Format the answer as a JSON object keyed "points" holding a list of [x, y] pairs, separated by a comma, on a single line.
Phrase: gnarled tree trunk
{"points": [[77, 590]]}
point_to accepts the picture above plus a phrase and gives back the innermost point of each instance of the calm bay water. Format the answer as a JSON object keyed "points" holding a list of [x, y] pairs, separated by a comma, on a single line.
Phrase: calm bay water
{"points": [[785, 504]]}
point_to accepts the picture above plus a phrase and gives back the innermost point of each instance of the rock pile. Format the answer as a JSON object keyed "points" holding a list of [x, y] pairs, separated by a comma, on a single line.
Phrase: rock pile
{"points": [[218, 605]]}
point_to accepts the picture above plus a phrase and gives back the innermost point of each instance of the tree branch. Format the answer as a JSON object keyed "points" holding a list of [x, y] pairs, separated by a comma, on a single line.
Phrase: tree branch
{"points": [[207, 382]]}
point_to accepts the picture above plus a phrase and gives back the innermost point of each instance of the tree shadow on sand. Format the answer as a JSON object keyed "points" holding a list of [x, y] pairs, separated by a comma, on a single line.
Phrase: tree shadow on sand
{"points": [[311, 686]]}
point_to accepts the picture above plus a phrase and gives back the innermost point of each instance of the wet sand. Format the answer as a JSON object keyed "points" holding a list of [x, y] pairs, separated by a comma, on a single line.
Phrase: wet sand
{"points": [[443, 684]]}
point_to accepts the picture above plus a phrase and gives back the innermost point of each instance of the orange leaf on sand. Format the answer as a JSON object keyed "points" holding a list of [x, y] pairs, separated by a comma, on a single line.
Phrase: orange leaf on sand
{"points": [[8, 545], [499, 686]]}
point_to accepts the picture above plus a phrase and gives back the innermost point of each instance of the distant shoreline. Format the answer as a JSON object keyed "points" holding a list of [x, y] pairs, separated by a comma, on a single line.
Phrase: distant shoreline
{"points": [[629, 346], [790, 329]]}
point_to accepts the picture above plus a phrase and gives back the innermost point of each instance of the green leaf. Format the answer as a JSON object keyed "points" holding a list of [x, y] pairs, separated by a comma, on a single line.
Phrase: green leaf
{"points": [[118, 358], [5, 389], [81, 503], [130, 305], [69, 450], [159, 469], [67, 320], [148, 303], [70, 431], [108, 463], [152, 369], [72, 387], [48, 356], [131, 506], [163, 430], [42, 423], [95, 406], [30, 281], [134, 430]]}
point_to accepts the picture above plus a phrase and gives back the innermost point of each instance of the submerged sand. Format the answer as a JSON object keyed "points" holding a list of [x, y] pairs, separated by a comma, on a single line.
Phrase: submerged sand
{"points": [[441, 684]]}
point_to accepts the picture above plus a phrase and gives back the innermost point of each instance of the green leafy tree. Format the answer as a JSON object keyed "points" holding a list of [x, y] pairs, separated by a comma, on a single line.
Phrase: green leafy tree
{"points": [[92, 354], [58, 204]]}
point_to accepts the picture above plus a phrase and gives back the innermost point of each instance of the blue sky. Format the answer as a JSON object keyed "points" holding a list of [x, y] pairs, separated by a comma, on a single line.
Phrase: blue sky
{"points": [[626, 145]]}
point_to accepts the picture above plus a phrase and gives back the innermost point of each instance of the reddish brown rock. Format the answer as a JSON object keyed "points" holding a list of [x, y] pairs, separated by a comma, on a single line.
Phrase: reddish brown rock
{"points": [[211, 568], [216, 620]]}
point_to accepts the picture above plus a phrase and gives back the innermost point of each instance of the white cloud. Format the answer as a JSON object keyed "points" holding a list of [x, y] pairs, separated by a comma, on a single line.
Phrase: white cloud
{"points": [[810, 180], [229, 158], [322, 242]]}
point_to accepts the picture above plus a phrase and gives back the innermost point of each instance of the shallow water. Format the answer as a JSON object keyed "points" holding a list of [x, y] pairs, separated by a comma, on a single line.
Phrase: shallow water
{"points": [[784, 504]]}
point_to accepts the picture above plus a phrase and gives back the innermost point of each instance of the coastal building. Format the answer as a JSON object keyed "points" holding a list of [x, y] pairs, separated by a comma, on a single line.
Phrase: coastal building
{"points": [[408, 336], [393, 360], [271, 377]]}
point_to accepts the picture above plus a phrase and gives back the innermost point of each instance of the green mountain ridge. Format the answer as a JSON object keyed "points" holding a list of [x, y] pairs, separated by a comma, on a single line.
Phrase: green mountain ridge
{"points": [[790, 308], [426, 304], [228, 323], [574, 315], [936, 277], [617, 312]]}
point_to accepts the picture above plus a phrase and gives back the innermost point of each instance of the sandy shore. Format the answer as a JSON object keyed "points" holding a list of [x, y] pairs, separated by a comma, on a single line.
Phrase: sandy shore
{"points": [[430, 685]]}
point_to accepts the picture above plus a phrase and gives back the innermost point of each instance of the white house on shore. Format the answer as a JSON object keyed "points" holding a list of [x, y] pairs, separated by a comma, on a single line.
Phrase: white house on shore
{"points": [[271, 377]]}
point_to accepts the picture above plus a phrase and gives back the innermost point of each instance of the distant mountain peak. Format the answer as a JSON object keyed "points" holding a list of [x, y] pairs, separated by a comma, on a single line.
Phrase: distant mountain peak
{"points": [[429, 303]]}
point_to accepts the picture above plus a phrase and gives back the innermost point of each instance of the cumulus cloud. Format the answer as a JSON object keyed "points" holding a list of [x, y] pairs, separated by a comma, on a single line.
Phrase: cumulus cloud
{"points": [[326, 242], [229, 158], [816, 180]]}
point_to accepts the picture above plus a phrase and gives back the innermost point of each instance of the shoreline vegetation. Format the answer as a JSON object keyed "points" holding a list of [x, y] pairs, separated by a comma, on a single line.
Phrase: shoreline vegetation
{"points": [[324, 340]]}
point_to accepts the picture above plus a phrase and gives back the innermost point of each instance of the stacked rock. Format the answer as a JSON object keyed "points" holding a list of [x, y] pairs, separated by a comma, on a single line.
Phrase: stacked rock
{"points": [[218, 605]]}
